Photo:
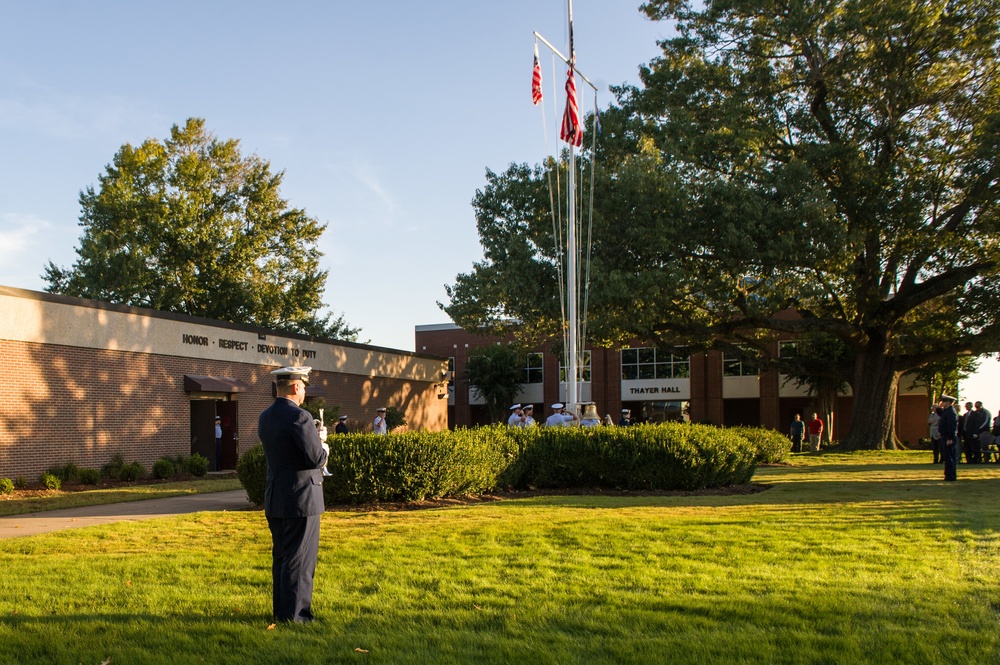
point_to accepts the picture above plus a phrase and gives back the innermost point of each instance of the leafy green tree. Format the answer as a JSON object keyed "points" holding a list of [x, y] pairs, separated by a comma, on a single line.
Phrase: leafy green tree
{"points": [[394, 418], [191, 225], [496, 373], [838, 159]]}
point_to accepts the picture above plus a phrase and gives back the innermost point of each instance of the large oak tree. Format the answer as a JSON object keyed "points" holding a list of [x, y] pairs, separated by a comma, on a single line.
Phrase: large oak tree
{"points": [[837, 159], [191, 225]]}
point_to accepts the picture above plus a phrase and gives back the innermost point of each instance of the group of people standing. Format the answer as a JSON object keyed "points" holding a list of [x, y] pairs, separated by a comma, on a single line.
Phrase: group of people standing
{"points": [[951, 434], [522, 416], [800, 429]]}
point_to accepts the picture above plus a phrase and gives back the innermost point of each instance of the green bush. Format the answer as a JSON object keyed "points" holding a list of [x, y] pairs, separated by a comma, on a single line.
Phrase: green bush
{"points": [[666, 456], [132, 472], [772, 446], [163, 468], [251, 469], [90, 476], [68, 473], [419, 465], [197, 465], [50, 481], [393, 418], [180, 463], [6, 486], [416, 465], [20, 482], [113, 469]]}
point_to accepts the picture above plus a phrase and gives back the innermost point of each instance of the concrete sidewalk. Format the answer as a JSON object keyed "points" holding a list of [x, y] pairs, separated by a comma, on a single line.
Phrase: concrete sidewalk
{"points": [[32, 524]]}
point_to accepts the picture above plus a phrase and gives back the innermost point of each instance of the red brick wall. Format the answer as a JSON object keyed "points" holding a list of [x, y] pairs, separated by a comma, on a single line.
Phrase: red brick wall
{"points": [[68, 404], [707, 404]]}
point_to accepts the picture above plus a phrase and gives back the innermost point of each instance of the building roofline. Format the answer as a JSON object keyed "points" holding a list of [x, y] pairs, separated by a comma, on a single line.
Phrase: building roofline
{"points": [[73, 301], [430, 327]]}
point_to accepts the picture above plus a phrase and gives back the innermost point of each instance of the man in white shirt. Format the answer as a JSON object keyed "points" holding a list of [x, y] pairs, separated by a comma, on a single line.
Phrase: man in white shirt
{"points": [[528, 420], [379, 423], [559, 417], [516, 416]]}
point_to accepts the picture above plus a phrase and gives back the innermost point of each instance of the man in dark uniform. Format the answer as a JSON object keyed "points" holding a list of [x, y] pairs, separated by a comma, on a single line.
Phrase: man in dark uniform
{"points": [[293, 496], [625, 421], [341, 427], [948, 427]]}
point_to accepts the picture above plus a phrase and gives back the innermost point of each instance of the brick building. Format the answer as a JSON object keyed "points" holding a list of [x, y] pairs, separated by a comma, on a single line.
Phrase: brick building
{"points": [[702, 387], [84, 380]]}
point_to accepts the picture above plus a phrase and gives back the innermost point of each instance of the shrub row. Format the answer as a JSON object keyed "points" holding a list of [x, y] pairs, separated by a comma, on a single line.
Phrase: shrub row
{"points": [[117, 469], [418, 465]]}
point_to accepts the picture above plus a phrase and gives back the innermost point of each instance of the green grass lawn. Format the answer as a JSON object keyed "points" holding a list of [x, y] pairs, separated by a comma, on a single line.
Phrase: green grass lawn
{"points": [[59, 499], [866, 558]]}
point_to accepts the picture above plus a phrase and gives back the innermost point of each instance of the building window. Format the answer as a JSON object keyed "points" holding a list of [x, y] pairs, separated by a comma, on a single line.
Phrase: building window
{"points": [[735, 367], [650, 363], [788, 349], [534, 371], [584, 369], [451, 371]]}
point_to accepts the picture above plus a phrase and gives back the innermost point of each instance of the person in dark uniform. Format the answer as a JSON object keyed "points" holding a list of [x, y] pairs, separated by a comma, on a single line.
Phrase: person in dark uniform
{"points": [[341, 427], [625, 420], [218, 443], [948, 427], [293, 496]]}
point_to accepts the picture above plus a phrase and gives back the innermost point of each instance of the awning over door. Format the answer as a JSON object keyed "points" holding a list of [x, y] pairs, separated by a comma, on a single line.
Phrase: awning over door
{"points": [[214, 384]]}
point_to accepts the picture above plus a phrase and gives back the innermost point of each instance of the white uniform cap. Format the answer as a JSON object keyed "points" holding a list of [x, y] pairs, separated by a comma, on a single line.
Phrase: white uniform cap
{"points": [[292, 374], [558, 405], [948, 398], [515, 407], [625, 410], [342, 418]]}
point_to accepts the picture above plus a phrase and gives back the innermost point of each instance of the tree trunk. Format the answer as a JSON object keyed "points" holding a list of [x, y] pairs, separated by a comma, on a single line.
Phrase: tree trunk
{"points": [[826, 403], [873, 419]]}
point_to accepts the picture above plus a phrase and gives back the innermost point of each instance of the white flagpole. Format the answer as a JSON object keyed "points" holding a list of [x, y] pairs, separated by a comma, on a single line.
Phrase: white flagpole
{"points": [[573, 283], [573, 352]]}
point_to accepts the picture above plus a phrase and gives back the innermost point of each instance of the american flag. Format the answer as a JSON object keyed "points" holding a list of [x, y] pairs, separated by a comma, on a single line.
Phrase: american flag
{"points": [[572, 131], [536, 80]]}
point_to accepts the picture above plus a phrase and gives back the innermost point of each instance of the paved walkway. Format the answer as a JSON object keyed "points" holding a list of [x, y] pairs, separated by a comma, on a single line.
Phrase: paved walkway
{"points": [[32, 524]]}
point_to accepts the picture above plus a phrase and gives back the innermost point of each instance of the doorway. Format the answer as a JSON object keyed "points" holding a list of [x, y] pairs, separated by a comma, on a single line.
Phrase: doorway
{"points": [[203, 413]]}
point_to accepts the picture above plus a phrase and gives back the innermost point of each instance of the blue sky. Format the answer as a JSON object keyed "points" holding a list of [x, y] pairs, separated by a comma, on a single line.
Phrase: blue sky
{"points": [[383, 115]]}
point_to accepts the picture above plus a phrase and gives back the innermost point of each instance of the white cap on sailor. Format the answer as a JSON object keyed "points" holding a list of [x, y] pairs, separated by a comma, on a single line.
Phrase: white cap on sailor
{"points": [[558, 405], [292, 374], [515, 407]]}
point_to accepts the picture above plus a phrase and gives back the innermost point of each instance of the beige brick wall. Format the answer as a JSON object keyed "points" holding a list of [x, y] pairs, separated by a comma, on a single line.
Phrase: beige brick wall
{"points": [[69, 404]]}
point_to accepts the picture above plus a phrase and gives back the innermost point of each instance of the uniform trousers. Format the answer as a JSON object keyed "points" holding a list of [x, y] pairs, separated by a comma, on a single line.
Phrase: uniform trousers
{"points": [[295, 546], [950, 454]]}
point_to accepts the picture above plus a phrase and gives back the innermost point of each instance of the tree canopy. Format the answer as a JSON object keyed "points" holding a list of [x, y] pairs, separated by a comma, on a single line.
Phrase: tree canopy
{"points": [[837, 159], [496, 373], [191, 225]]}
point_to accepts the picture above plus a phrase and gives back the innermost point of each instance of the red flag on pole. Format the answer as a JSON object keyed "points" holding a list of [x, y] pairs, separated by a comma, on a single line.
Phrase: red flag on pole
{"points": [[536, 80], [572, 131]]}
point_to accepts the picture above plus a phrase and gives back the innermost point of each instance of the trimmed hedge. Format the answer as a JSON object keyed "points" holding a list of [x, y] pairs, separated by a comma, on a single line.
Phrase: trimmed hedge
{"points": [[772, 446], [251, 469], [418, 465]]}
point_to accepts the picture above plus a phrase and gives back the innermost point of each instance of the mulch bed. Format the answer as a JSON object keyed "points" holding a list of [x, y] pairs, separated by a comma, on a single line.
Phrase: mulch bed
{"points": [[36, 491], [735, 490]]}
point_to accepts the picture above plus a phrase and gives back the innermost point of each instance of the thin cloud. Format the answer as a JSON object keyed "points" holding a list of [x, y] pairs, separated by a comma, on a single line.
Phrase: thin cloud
{"points": [[29, 107]]}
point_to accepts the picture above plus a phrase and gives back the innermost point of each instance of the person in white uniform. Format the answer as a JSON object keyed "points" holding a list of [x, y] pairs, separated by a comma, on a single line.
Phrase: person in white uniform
{"points": [[559, 417], [516, 418], [379, 423]]}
